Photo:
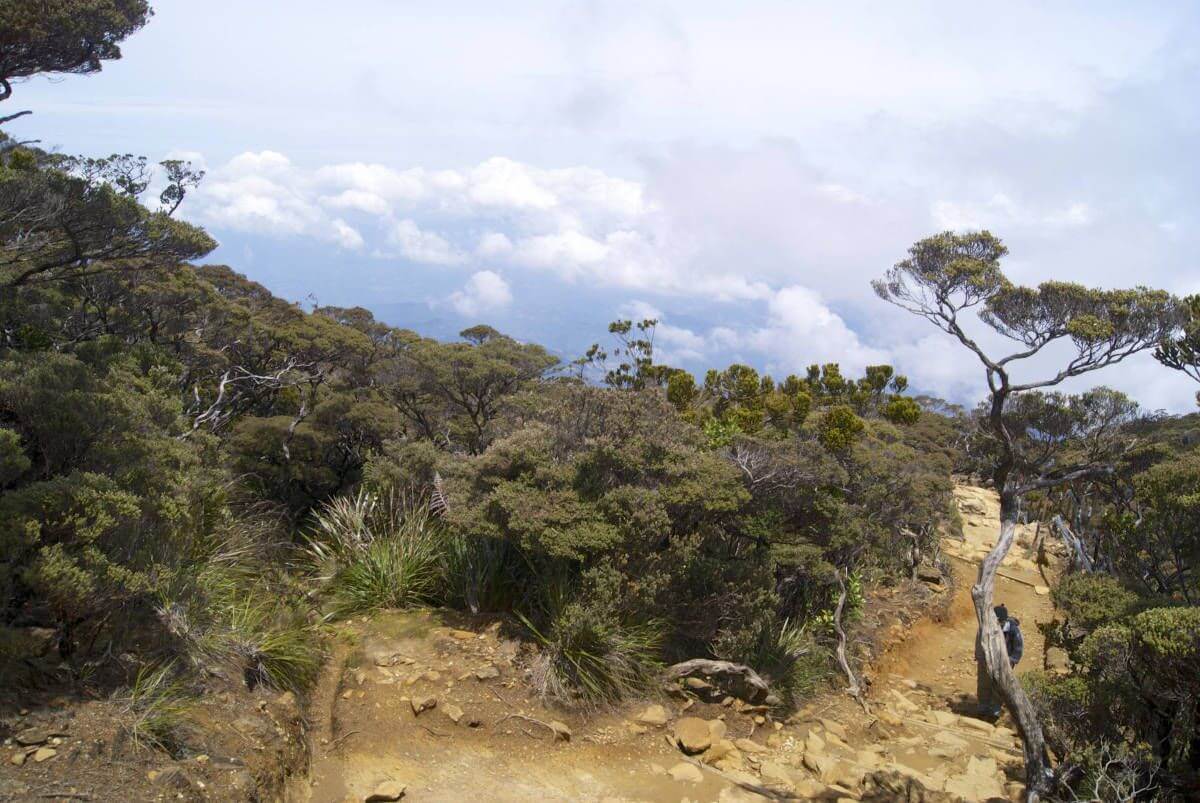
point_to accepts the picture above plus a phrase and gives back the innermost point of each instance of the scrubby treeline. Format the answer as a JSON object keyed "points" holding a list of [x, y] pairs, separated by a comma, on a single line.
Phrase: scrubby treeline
{"points": [[191, 468]]}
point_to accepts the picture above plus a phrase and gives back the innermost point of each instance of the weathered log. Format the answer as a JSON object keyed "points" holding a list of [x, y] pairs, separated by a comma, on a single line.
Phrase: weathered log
{"points": [[705, 666]]}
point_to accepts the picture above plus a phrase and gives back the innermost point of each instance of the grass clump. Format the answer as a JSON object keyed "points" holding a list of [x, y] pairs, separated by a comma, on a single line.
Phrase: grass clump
{"points": [[589, 658], [379, 550], [154, 707]]}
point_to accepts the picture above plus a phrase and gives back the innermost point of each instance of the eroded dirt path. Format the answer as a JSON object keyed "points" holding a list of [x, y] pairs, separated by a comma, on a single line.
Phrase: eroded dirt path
{"points": [[479, 735]]}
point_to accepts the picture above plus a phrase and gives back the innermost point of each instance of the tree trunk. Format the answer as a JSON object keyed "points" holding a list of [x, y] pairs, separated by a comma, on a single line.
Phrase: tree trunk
{"points": [[992, 654]]}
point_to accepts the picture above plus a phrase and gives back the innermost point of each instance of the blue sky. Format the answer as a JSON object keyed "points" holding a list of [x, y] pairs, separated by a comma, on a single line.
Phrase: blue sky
{"points": [[740, 170]]}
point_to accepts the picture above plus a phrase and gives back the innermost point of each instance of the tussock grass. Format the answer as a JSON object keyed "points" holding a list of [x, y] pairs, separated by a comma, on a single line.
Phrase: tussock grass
{"points": [[591, 660], [402, 570], [153, 707]]}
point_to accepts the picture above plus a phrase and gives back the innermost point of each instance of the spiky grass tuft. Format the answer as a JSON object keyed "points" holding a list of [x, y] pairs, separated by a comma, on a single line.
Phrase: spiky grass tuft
{"points": [[154, 707], [588, 659]]}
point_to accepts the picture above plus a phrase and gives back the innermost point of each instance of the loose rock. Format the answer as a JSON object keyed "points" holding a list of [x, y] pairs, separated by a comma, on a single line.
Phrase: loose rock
{"points": [[692, 735], [421, 704], [386, 792], [653, 715], [684, 771]]}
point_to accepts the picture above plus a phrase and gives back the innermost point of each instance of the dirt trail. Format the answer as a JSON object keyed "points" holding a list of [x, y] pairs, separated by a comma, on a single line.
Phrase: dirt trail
{"points": [[485, 739]]}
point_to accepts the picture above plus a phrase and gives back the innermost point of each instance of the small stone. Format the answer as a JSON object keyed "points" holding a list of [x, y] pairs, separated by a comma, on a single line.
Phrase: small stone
{"points": [[453, 712], [775, 773], [653, 715], [718, 751], [201, 759], [692, 734], [420, 704], [562, 733], [684, 771], [717, 729], [386, 792], [487, 673], [433, 676], [44, 754], [462, 635], [760, 720], [750, 746], [697, 684], [19, 757], [834, 727], [31, 737], [1041, 591]]}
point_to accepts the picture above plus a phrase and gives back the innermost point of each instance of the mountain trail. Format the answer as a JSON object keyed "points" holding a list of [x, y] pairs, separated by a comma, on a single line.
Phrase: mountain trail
{"points": [[433, 706]]}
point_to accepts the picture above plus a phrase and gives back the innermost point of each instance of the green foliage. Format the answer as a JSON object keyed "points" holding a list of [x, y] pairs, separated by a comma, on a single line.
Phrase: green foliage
{"points": [[591, 659], [272, 643], [902, 410], [63, 36], [154, 707], [379, 551], [839, 428]]}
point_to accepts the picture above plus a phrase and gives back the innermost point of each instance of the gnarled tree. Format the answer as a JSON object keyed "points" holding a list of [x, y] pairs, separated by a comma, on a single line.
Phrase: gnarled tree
{"points": [[945, 279]]}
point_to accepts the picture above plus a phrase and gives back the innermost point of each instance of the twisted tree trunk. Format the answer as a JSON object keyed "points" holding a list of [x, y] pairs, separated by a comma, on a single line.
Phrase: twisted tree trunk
{"points": [[992, 655]]}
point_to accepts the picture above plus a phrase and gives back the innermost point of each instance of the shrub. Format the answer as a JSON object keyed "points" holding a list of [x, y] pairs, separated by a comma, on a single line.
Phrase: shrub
{"points": [[839, 428]]}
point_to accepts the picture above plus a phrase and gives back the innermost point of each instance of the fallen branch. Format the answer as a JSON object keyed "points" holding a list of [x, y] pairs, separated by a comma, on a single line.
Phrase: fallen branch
{"points": [[855, 689], [709, 667], [545, 725], [998, 574], [337, 743]]}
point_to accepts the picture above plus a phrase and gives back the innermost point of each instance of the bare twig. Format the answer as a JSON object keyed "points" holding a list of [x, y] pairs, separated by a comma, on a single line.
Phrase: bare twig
{"points": [[855, 689], [337, 743]]}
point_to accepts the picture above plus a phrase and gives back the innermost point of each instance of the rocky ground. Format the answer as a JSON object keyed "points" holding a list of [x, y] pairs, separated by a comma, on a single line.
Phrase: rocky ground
{"points": [[427, 706], [434, 709], [238, 746]]}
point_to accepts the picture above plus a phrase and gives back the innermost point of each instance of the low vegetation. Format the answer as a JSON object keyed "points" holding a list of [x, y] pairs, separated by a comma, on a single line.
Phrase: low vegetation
{"points": [[196, 476]]}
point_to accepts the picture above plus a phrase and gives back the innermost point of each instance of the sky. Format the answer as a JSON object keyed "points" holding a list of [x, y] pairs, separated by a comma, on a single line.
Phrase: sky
{"points": [[740, 171]]}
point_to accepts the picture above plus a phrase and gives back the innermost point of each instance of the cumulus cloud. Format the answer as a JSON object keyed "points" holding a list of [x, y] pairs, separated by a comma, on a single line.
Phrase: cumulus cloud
{"points": [[485, 291], [421, 246]]}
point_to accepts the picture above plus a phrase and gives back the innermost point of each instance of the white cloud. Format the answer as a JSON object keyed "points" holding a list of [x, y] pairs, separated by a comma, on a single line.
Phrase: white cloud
{"points": [[422, 246], [493, 244], [485, 291], [1002, 213]]}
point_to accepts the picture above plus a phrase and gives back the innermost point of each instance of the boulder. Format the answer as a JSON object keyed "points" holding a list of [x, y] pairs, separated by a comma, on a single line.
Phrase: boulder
{"points": [[944, 718], [692, 735], [654, 716], [386, 792], [684, 771]]}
